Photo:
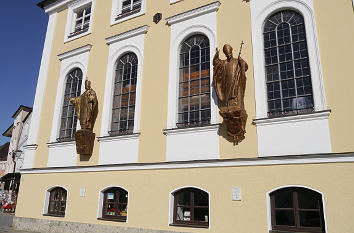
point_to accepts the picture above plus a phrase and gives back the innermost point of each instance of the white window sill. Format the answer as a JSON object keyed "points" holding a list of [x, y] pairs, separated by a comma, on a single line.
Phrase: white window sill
{"points": [[118, 137], [68, 38], [174, 1], [61, 144], [206, 128], [116, 21], [295, 118]]}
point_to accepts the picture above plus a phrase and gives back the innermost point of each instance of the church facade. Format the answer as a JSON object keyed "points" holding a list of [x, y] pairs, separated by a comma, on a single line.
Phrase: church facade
{"points": [[163, 160]]}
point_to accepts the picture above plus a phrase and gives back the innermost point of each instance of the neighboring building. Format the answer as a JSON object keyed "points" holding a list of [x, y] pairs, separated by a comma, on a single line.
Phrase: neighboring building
{"points": [[18, 134], [4, 150], [162, 161]]}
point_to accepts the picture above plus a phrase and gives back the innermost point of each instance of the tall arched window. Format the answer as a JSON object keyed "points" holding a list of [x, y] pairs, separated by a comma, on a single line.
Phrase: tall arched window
{"points": [[288, 76], [115, 202], [57, 201], [68, 119], [191, 207], [194, 82], [124, 95], [297, 209]]}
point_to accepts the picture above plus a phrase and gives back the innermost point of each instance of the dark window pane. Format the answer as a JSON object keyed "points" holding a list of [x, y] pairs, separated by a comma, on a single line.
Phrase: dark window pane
{"points": [[201, 214], [183, 198], [284, 199], [308, 199], [284, 218], [310, 219], [201, 198]]}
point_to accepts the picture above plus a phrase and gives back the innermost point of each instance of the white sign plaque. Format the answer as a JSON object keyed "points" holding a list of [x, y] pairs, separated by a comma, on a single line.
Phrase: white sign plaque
{"points": [[236, 194], [82, 191]]}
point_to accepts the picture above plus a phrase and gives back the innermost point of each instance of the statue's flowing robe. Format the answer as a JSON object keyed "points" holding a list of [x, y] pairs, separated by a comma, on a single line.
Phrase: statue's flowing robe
{"points": [[230, 81], [86, 107]]}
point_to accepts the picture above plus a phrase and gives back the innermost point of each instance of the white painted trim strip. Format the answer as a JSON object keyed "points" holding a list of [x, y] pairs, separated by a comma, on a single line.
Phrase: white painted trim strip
{"points": [[31, 147], [191, 130], [279, 160], [60, 144], [118, 137], [75, 52], [295, 118], [127, 34], [193, 13]]}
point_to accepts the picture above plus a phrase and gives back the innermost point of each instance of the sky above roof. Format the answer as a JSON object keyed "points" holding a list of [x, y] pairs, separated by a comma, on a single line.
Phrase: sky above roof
{"points": [[23, 26]]}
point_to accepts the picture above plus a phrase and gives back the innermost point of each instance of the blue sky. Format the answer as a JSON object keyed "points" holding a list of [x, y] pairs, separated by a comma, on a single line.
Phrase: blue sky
{"points": [[23, 26]]}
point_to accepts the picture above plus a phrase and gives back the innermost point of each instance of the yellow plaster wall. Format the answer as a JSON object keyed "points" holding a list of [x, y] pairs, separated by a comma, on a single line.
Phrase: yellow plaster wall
{"points": [[336, 57], [335, 27], [152, 145], [148, 204]]}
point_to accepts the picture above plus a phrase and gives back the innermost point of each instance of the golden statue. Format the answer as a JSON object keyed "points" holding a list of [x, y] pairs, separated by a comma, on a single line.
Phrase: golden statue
{"points": [[230, 84], [86, 107]]}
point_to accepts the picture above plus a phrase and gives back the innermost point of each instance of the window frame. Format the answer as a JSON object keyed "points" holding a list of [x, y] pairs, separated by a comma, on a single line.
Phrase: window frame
{"points": [[260, 12], [191, 206], [51, 193], [83, 9], [114, 94], [295, 207], [116, 16], [280, 80], [78, 92], [189, 82], [116, 191], [73, 10]]}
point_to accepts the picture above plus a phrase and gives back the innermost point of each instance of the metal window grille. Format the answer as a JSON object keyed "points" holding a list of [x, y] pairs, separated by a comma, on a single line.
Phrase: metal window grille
{"points": [[124, 95], [288, 76], [194, 82], [68, 116], [130, 7], [82, 21]]}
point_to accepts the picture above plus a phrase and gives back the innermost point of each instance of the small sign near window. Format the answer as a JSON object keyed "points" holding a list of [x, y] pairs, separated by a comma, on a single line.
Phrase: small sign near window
{"points": [[236, 194]]}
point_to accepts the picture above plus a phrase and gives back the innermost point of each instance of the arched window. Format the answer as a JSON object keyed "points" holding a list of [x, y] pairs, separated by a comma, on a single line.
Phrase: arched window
{"points": [[68, 119], [191, 207], [115, 203], [124, 95], [194, 82], [57, 202], [297, 209], [288, 76]]}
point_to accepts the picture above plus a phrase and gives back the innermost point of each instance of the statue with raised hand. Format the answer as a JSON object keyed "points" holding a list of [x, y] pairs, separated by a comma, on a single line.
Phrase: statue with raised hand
{"points": [[230, 83]]}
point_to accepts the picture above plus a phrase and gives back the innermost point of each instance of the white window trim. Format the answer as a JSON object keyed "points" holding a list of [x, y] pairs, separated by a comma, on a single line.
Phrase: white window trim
{"points": [[117, 8], [47, 197], [73, 7], [260, 11], [175, 45], [101, 199], [115, 53], [269, 211], [172, 200], [77, 58]]}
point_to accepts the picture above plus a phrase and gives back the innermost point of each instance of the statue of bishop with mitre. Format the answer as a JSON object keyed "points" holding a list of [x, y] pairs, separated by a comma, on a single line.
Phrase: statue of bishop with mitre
{"points": [[230, 84], [86, 108]]}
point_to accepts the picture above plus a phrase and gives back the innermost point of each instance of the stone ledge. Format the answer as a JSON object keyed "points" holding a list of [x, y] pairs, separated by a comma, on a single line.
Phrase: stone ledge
{"points": [[52, 226]]}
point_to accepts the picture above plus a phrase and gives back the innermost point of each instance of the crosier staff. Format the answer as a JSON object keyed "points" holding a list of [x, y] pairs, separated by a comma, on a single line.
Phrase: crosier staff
{"points": [[238, 64]]}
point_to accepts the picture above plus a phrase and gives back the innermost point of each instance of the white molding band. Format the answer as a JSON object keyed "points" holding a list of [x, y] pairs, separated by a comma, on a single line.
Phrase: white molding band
{"points": [[60, 144], [75, 52], [38, 100], [127, 34], [193, 13], [279, 160], [192, 129], [295, 118], [117, 138]]}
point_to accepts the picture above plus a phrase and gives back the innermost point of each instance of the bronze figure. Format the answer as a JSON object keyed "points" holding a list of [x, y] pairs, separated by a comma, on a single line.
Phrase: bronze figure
{"points": [[230, 84], [86, 107]]}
